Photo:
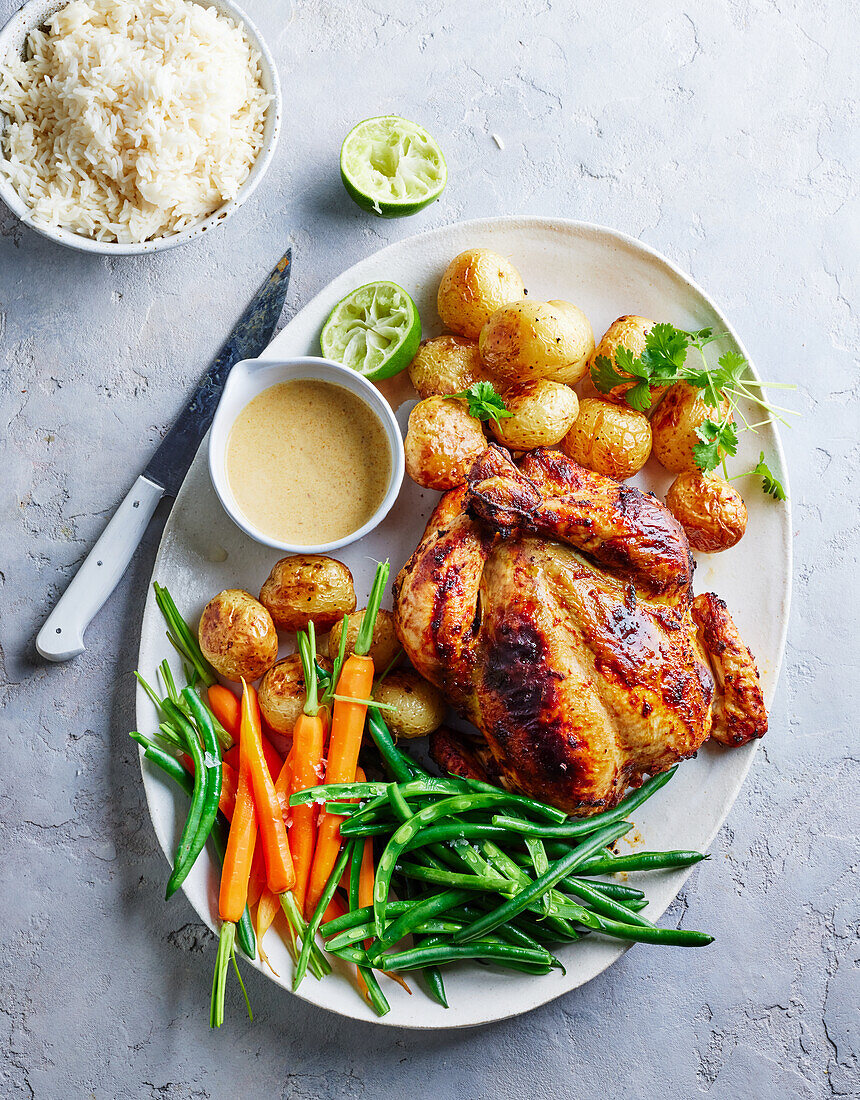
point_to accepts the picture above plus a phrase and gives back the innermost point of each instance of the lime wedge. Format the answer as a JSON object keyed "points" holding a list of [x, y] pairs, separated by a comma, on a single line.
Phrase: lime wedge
{"points": [[375, 330], [392, 167]]}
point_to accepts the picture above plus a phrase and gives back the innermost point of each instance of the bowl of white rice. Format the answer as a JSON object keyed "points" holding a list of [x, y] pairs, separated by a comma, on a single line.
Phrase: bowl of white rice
{"points": [[133, 126]]}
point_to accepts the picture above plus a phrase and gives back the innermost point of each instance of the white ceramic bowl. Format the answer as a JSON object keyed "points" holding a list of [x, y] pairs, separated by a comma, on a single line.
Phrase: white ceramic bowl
{"points": [[248, 379], [12, 39]]}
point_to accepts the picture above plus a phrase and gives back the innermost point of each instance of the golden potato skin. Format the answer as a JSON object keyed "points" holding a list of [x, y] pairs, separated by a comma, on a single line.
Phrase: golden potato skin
{"points": [[282, 692], [308, 588], [613, 440], [674, 425], [442, 442], [237, 635], [475, 284], [526, 340], [543, 413], [711, 511], [625, 332], [384, 646], [446, 364], [418, 707]]}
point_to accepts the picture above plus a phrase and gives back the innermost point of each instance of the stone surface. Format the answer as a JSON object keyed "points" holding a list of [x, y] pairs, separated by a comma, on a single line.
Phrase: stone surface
{"points": [[724, 134]]}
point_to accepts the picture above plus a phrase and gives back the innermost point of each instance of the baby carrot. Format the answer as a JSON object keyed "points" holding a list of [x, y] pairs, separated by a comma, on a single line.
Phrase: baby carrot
{"points": [[306, 763], [354, 687], [229, 715], [273, 833], [226, 708], [240, 849]]}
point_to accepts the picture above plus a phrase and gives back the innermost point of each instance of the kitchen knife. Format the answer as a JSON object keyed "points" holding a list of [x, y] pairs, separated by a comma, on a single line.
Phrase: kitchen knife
{"points": [[62, 636]]}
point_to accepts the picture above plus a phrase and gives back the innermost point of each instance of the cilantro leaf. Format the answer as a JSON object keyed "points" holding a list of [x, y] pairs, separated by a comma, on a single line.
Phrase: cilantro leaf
{"points": [[605, 375], [484, 402], [638, 397], [769, 482], [665, 351], [716, 437], [731, 366], [698, 336]]}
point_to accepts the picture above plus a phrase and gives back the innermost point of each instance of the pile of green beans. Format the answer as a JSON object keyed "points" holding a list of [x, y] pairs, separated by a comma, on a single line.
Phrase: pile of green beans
{"points": [[472, 872]]}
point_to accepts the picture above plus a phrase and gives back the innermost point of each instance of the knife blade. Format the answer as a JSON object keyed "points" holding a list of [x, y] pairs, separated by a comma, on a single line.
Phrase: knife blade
{"points": [[251, 334], [62, 635]]}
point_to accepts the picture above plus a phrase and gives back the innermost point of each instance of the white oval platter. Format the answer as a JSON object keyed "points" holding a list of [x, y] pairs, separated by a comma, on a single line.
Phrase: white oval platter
{"points": [[607, 274]]}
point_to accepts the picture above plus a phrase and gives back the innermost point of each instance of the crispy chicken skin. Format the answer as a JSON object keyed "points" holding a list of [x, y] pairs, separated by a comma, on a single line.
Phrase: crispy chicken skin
{"points": [[553, 607]]}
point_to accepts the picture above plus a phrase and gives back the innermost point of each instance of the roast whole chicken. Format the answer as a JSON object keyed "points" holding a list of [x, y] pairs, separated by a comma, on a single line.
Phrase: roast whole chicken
{"points": [[554, 608]]}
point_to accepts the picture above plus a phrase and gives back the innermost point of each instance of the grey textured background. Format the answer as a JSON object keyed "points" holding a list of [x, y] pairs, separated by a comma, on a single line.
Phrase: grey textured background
{"points": [[723, 133]]}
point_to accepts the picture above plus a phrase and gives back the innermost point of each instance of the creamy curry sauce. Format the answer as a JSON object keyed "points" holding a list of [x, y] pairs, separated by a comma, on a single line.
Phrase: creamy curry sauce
{"points": [[307, 462]]}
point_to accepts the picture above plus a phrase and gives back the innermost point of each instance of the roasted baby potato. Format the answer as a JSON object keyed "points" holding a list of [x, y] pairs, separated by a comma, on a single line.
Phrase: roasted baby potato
{"points": [[384, 646], [610, 439], [446, 364], [237, 635], [308, 588], [442, 442], [417, 707], [474, 285], [526, 340], [625, 332], [674, 425], [711, 511], [282, 693], [543, 413]]}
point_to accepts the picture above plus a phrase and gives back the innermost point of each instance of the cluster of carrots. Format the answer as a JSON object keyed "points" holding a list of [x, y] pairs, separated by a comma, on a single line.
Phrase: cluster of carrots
{"points": [[279, 857]]}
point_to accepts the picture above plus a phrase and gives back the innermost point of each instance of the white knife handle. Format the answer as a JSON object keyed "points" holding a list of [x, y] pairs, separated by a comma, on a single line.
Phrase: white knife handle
{"points": [[62, 636]]}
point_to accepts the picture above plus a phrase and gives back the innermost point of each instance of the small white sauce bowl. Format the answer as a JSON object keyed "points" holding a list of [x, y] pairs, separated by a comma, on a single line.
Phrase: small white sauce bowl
{"points": [[35, 13], [251, 377]]}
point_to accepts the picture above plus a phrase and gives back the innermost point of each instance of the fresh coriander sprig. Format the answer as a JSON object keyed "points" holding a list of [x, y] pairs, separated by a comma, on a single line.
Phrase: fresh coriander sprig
{"points": [[663, 362], [770, 483], [484, 402]]}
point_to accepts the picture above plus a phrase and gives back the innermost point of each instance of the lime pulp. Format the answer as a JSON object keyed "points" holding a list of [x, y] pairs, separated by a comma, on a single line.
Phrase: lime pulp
{"points": [[392, 167], [375, 330]]}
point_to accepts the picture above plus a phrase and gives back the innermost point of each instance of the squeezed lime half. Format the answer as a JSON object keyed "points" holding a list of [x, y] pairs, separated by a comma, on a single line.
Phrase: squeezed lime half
{"points": [[375, 330], [392, 167]]}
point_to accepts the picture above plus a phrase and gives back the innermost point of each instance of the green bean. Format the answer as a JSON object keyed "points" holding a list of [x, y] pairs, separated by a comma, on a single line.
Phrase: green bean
{"points": [[400, 766], [546, 881], [667, 937], [316, 920], [399, 806], [641, 861], [614, 890], [356, 917], [364, 830], [506, 865], [537, 851], [365, 931], [441, 953], [435, 985], [444, 877], [419, 912], [212, 775], [585, 825], [469, 913], [428, 785], [318, 964], [195, 811], [605, 905], [456, 830], [448, 807]]}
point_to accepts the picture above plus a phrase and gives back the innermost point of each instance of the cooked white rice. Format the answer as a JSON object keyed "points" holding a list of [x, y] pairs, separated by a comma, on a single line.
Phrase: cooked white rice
{"points": [[131, 119]]}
